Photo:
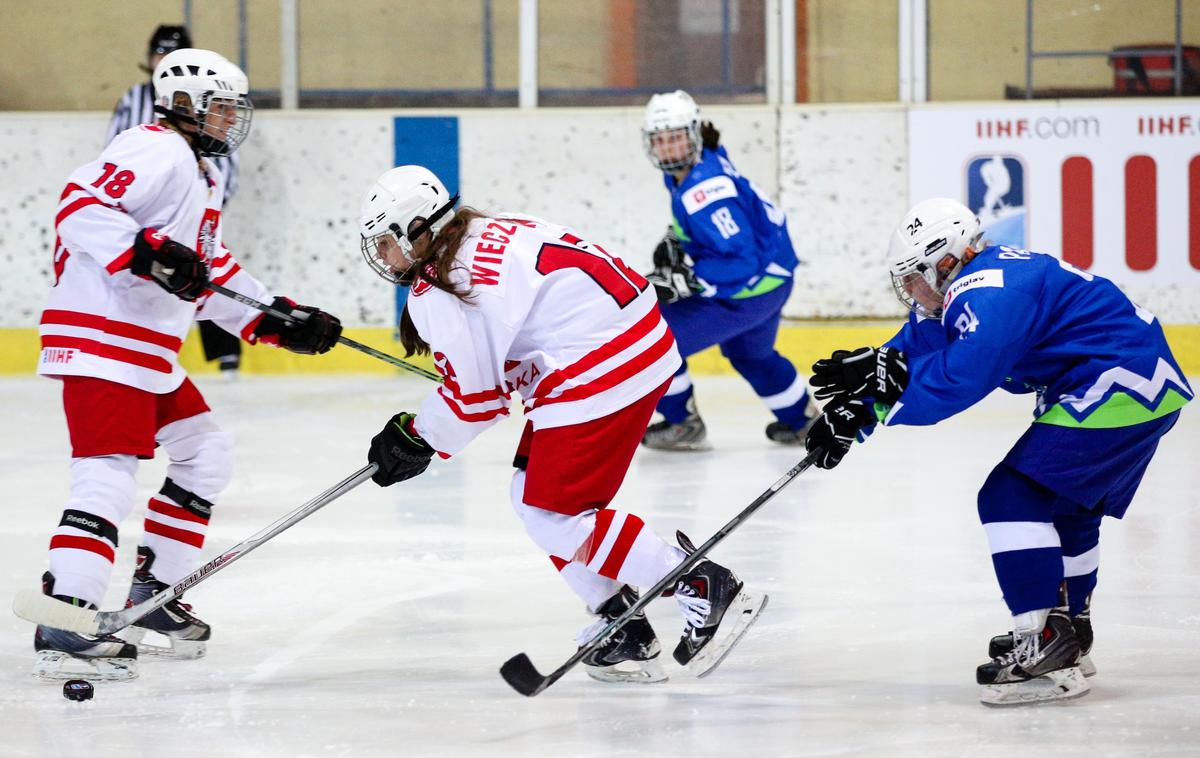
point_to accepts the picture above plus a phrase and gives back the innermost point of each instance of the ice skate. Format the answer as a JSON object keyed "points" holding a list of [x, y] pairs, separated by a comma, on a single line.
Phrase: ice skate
{"points": [[717, 611], [631, 653], [781, 433], [1042, 666], [185, 635], [1003, 643], [690, 434], [65, 655]]}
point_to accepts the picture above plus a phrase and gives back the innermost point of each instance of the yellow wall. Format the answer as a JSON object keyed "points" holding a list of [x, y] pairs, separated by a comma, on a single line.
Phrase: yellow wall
{"points": [[852, 49], [978, 46], [71, 55], [803, 342], [76, 55]]}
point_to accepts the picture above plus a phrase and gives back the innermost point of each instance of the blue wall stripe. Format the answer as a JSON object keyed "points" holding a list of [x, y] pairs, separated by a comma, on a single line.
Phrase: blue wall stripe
{"points": [[432, 142]]}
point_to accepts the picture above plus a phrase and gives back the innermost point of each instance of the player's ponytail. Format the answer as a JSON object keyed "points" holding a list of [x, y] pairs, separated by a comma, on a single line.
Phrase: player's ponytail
{"points": [[434, 270]]}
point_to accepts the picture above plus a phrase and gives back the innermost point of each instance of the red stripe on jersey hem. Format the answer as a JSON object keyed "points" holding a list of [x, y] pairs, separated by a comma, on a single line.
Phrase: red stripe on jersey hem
{"points": [[227, 275], [472, 398], [174, 533], [120, 262], [110, 352], [175, 511], [470, 417], [219, 262], [599, 532], [620, 549], [619, 374], [559, 563], [599, 355], [72, 542], [113, 327]]}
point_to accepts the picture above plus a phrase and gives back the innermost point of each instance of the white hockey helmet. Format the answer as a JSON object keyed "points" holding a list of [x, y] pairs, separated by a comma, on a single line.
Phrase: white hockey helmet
{"points": [[215, 98], [668, 112], [395, 200], [928, 249]]}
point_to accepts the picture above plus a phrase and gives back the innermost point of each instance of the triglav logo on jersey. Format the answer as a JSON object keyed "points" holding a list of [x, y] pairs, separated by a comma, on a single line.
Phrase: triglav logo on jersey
{"points": [[996, 193]]}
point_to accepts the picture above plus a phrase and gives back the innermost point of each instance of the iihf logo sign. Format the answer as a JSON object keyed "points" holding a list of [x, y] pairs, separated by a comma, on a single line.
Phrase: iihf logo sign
{"points": [[996, 193]]}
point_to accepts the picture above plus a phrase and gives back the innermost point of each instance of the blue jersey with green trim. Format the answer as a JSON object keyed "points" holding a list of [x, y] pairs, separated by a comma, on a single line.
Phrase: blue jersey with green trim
{"points": [[737, 239], [1028, 322]]}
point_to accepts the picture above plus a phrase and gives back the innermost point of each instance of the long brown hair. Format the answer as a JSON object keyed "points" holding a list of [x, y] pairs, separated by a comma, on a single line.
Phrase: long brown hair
{"points": [[434, 270]]}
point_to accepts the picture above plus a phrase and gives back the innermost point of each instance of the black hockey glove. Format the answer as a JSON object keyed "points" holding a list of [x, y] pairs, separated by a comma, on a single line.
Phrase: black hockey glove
{"points": [[669, 252], [881, 373], [671, 285], [672, 277], [710, 138], [399, 451], [313, 332], [176, 268], [835, 429]]}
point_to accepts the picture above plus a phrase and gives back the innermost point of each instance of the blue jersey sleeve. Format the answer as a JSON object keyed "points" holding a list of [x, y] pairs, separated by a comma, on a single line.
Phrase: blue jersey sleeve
{"points": [[987, 332], [918, 336]]}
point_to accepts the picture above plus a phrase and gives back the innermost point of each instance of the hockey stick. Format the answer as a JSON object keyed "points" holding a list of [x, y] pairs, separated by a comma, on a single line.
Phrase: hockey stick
{"points": [[360, 347], [524, 677], [39, 608]]}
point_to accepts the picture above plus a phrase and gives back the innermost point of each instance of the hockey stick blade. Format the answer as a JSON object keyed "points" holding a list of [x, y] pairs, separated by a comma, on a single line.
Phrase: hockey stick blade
{"points": [[48, 611], [523, 676], [32, 605]]}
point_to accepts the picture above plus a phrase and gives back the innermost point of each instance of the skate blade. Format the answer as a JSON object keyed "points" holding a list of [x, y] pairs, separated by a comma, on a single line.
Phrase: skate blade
{"points": [[1086, 666], [55, 666], [1063, 684], [163, 646], [629, 672], [680, 447], [739, 617]]}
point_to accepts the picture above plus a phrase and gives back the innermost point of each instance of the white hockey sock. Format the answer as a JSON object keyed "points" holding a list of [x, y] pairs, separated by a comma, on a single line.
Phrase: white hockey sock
{"points": [[84, 545], [623, 548], [593, 589], [177, 517]]}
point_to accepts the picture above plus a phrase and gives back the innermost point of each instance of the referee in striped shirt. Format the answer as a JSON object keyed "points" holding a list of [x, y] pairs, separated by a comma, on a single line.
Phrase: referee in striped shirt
{"points": [[137, 107]]}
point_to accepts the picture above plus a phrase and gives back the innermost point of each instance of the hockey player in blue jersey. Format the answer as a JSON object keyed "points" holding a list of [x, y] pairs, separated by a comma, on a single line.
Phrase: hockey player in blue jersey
{"points": [[723, 274], [1107, 389]]}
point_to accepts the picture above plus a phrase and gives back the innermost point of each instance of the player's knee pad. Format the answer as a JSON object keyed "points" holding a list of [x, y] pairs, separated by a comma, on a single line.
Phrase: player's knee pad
{"points": [[1009, 495], [201, 455], [103, 486], [556, 533]]}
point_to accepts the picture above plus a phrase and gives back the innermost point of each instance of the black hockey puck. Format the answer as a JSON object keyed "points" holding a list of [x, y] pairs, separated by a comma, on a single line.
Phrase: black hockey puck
{"points": [[78, 689]]}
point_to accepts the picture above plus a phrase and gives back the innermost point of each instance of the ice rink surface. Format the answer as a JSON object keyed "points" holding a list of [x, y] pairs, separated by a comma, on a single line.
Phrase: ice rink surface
{"points": [[377, 626]]}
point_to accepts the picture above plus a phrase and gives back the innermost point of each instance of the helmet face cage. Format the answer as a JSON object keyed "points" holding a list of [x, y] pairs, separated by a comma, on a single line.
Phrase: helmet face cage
{"points": [[692, 132], [915, 291], [921, 285], [223, 123], [374, 250]]}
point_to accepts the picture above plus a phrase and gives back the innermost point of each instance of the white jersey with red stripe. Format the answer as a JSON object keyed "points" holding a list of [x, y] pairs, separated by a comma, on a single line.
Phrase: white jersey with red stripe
{"points": [[551, 316], [101, 320]]}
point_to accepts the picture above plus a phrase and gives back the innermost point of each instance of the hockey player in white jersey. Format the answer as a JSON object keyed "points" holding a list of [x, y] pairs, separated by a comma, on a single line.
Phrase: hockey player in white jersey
{"points": [[138, 241], [514, 304]]}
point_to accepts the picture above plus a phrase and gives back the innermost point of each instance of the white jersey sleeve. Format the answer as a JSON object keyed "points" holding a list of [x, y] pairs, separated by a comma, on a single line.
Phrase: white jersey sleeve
{"points": [[468, 351]]}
